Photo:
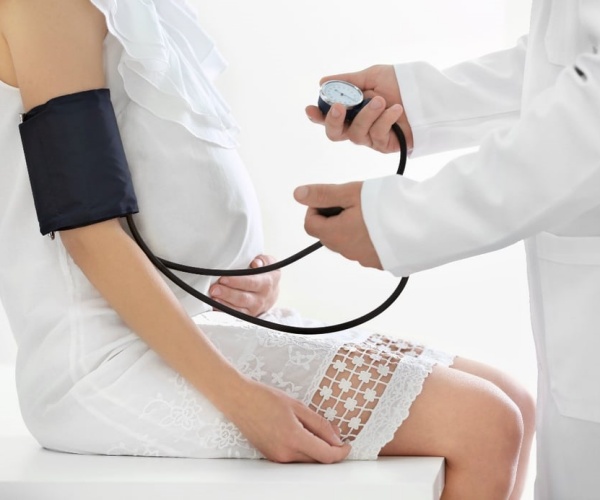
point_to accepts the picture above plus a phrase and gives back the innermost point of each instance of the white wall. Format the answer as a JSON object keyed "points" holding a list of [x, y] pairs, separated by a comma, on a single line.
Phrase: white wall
{"points": [[278, 51]]}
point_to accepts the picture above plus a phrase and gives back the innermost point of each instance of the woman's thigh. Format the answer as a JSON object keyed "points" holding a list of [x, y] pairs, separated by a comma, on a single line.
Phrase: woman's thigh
{"points": [[458, 415], [511, 387]]}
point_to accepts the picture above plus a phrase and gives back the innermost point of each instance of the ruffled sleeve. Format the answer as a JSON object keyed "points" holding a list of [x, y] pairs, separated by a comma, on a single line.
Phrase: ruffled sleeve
{"points": [[168, 65]]}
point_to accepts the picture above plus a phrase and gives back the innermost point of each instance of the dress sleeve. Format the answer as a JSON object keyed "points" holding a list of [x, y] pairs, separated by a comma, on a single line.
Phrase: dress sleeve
{"points": [[541, 172], [457, 107]]}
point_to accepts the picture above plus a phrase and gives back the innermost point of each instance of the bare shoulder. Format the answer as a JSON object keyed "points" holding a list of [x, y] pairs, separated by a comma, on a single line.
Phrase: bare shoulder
{"points": [[56, 46]]}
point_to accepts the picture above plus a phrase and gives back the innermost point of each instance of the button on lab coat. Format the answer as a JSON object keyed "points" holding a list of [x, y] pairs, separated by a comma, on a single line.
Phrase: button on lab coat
{"points": [[534, 112]]}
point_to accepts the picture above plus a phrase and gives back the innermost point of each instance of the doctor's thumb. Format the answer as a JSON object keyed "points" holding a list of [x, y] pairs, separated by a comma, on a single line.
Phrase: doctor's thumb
{"points": [[327, 195]]}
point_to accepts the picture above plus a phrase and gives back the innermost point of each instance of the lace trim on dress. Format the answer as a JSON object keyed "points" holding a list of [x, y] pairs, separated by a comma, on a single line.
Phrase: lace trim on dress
{"points": [[351, 392], [168, 65]]}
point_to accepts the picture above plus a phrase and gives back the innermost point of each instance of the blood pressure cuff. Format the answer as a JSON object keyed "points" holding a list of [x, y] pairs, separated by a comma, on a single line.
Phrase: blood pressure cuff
{"points": [[76, 163]]}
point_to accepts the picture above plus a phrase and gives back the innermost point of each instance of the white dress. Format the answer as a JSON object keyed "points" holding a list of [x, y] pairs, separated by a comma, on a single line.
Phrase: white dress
{"points": [[87, 383]]}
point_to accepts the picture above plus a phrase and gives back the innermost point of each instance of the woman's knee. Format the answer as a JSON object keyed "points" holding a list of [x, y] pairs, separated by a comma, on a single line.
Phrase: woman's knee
{"points": [[497, 426], [492, 445], [527, 406], [514, 390], [470, 422]]}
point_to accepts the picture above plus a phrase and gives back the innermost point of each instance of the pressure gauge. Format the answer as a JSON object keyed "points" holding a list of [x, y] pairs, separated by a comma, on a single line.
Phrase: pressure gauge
{"points": [[344, 93]]}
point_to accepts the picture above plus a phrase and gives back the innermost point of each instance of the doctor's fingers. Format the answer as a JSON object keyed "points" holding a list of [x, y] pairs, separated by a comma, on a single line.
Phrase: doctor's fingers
{"points": [[345, 234], [379, 79], [338, 233], [358, 78], [314, 114], [373, 128], [335, 123], [337, 129], [329, 195]]}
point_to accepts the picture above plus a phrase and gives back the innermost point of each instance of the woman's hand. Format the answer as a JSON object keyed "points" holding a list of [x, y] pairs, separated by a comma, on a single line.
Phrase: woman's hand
{"points": [[253, 295], [285, 430], [372, 126]]}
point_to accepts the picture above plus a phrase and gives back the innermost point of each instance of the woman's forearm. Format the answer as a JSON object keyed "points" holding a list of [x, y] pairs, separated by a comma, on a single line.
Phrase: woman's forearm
{"points": [[124, 276]]}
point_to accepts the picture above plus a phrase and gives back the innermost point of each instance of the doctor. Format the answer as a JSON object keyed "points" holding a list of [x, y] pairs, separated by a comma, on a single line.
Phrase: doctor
{"points": [[534, 112]]}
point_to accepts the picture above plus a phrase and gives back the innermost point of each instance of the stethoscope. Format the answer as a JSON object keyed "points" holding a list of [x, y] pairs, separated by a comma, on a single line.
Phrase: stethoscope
{"points": [[331, 92]]}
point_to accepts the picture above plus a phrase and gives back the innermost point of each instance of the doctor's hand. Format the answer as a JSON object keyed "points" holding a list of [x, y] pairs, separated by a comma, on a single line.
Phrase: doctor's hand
{"points": [[372, 126], [345, 233], [253, 295]]}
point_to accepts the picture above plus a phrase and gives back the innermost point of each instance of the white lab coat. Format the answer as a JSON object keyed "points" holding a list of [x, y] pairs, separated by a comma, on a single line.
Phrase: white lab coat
{"points": [[535, 113]]}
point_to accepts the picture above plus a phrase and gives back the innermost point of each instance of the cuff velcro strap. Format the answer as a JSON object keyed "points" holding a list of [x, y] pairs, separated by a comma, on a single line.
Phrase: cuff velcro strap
{"points": [[76, 162]]}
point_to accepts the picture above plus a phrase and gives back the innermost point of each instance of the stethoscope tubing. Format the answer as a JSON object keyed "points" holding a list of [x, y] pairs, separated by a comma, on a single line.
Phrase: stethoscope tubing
{"points": [[165, 267]]}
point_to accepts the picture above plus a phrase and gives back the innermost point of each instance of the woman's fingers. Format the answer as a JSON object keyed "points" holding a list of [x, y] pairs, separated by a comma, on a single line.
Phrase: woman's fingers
{"points": [[313, 440], [285, 430], [252, 295], [323, 442]]}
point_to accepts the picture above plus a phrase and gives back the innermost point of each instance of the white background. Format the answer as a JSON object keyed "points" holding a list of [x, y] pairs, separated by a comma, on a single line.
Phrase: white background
{"points": [[277, 52]]}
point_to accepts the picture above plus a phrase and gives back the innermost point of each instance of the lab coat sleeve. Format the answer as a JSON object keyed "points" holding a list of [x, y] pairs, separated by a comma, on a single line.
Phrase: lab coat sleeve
{"points": [[539, 173], [456, 107]]}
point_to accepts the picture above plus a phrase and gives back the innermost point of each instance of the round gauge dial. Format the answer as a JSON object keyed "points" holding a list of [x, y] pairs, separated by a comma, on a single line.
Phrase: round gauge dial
{"points": [[344, 93]]}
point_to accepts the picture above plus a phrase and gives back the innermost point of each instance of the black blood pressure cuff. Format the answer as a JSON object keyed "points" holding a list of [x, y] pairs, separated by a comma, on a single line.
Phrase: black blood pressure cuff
{"points": [[77, 166]]}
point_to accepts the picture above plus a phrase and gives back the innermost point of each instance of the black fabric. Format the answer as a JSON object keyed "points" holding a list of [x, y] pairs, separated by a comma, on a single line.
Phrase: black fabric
{"points": [[77, 166]]}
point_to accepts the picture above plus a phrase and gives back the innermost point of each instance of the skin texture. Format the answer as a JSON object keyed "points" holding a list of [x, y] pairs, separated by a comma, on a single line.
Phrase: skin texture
{"points": [[470, 414]]}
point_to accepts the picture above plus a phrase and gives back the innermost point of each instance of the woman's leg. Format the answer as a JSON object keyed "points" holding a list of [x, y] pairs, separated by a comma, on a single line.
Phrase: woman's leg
{"points": [[521, 398], [470, 422]]}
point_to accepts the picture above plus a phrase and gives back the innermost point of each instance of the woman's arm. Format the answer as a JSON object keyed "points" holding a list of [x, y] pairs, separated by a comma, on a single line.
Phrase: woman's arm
{"points": [[56, 47]]}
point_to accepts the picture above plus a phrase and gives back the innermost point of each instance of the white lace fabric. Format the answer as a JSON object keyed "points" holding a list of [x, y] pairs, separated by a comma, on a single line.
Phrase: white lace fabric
{"points": [[364, 383], [356, 381]]}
